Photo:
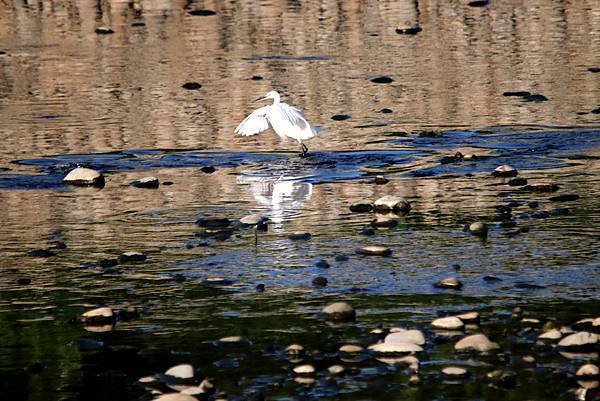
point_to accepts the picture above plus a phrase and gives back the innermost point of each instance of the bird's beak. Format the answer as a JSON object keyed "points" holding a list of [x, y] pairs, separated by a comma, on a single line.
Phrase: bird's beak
{"points": [[260, 99]]}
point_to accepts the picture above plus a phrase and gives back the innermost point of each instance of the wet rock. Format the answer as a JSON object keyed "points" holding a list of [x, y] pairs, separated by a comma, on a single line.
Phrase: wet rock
{"points": [[491, 279], [541, 188], [23, 281], [448, 323], [405, 336], [374, 250], [146, 182], [351, 348], [479, 229], [82, 176], [552, 335], [384, 222], [411, 30], [468, 317], [104, 30], [306, 369], [594, 69], [294, 349], [361, 207], [256, 78], [260, 288], [456, 158], [341, 258], [385, 111], [336, 369], [87, 343], [322, 264], [478, 3], [107, 263], [455, 372], [202, 12], [367, 231], [40, 253], [396, 347], [528, 286], [254, 220], [208, 169], [390, 203], [319, 281], [588, 370], [503, 378], [476, 342], [339, 312], [450, 283], [516, 93], [175, 397], [540, 215], [340, 117], [596, 111], [382, 80], [535, 97], [529, 359], [564, 198], [101, 315], [213, 222], [381, 180], [132, 257], [300, 236], [505, 171], [582, 339], [191, 85], [517, 182], [216, 282], [234, 340], [184, 371]]}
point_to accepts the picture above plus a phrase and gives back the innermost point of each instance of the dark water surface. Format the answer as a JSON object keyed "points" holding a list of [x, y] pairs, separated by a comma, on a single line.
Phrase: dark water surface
{"points": [[115, 103]]}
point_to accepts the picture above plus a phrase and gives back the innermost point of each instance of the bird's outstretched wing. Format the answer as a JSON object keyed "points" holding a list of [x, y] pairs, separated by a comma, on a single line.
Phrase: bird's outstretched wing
{"points": [[293, 115], [255, 123]]}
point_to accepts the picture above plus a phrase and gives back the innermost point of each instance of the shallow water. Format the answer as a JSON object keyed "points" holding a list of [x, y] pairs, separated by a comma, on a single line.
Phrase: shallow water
{"points": [[115, 103]]}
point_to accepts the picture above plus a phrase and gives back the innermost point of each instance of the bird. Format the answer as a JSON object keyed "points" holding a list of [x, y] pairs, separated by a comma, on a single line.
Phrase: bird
{"points": [[286, 121]]}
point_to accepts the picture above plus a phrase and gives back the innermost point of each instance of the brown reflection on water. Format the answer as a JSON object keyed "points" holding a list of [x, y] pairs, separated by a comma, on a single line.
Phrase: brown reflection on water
{"points": [[63, 88]]}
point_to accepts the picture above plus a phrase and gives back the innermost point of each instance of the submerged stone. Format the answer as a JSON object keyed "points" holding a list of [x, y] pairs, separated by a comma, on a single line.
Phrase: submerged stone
{"points": [[304, 369], [390, 203], [395, 347], [202, 12], [448, 323], [98, 316], [450, 283], [351, 348], [411, 30], [254, 220], [40, 253], [374, 250], [361, 207], [132, 257], [319, 281], [479, 229], [104, 30], [582, 339], [213, 222], [340, 312], [300, 236], [588, 370], [564, 198], [505, 171], [381, 180], [476, 342], [208, 169]]}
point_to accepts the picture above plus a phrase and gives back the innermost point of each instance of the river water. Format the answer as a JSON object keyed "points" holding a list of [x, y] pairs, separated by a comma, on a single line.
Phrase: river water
{"points": [[115, 102]]}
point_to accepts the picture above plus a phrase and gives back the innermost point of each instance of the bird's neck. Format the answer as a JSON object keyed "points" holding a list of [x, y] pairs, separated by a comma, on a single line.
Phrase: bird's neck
{"points": [[276, 98]]}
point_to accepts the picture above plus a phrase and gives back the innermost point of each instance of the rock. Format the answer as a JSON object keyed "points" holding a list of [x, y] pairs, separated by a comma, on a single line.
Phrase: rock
{"points": [[361, 207], [491, 279], [405, 336], [351, 348], [294, 349], [382, 80], [322, 264], [383, 221], [448, 323], [594, 69], [530, 359], [479, 229], [183, 371], [260, 288], [319, 281], [300, 236], [517, 182], [104, 30], [208, 169], [256, 78], [449, 282], [202, 12], [516, 93], [304, 369], [132, 257], [535, 97], [82, 176], [541, 188], [216, 282], [455, 372], [564, 198], [336, 369], [478, 3], [367, 231], [582, 339], [374, 250], [191, 86], [40, 253], [213, 222], [588, 370], [254, 220], [107, 263], [476, 342], [23, 281], [553, 334], [146, 182], [412, 30], [503, 378], [341, 258], [98, 316], [468, 317], [340, 117], [505, 171], [385, 110], [390, 203], [396, 347], [339, 312], [456, 158], [233, 340], [175, 397], [381, 180]]}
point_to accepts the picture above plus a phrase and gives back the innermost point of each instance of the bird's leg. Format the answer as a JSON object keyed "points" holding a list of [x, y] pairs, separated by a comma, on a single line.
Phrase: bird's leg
{"points": [[304, 150]]}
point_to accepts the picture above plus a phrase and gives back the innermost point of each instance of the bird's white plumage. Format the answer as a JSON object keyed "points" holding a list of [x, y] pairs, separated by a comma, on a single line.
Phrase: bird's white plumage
{"points": [[287, 121]]}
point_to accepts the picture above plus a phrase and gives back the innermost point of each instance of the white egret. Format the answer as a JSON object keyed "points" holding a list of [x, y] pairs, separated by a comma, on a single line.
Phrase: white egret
{"points": [[286, 121]]}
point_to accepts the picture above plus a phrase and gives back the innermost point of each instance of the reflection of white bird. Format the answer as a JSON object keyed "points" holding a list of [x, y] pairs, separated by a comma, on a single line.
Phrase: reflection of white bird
{"points": [[287, 121]]}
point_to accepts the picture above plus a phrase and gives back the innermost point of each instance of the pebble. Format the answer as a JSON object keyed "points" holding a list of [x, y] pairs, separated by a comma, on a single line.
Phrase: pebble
{"points": [[476, 342], [351, 348], [478, 228], [382, 79], [505, 171], [528, 359], [132, 257], [455, 371], [374, 250], [340, 117], [390, 203], [191, 85], [339, 312], [213, 222], [104, 30], [448, 323], [449, 282], [405, 336], [319, 281], [98, 316], [300, 236], [367, 231], [82, 176], [588, 370], [183, 371], [491, 279], [336, 369], [146, 182], [361, 207], [396, 347], [306, 369], [579, 340]]}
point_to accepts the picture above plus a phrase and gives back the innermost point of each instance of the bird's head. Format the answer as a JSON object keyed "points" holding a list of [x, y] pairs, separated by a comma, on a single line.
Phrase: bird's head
{"points": [[271, 95]]}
